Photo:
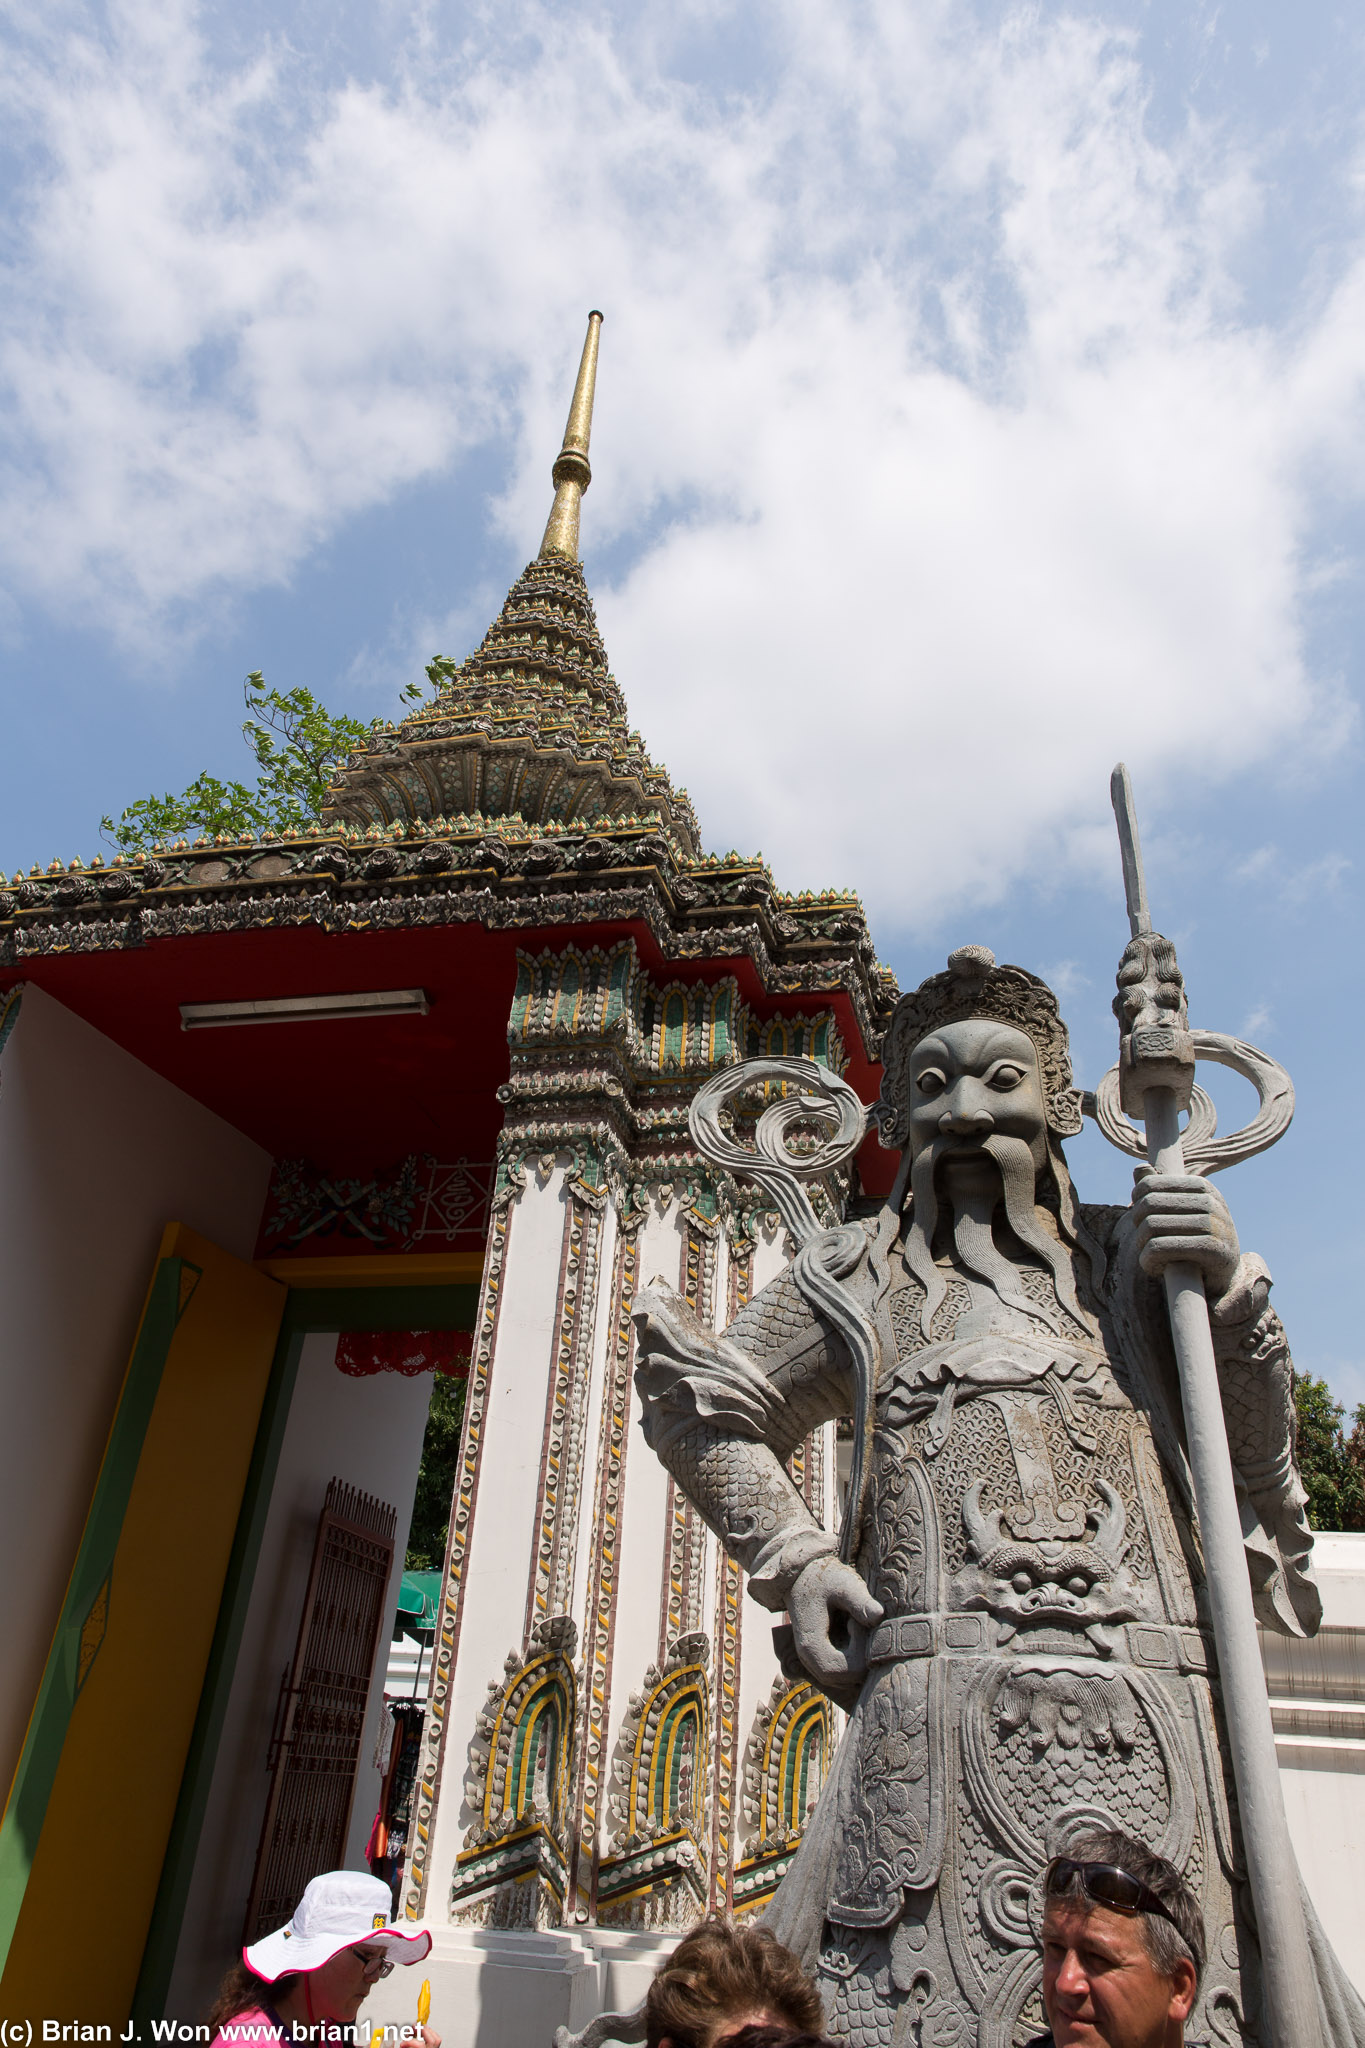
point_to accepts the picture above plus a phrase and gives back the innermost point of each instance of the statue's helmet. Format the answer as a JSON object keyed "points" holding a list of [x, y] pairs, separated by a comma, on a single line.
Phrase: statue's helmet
{"points": [[973, 986]]}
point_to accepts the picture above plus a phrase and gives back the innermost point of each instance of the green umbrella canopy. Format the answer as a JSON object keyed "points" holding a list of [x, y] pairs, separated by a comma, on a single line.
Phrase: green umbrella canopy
{"points": [[418, 1600]]}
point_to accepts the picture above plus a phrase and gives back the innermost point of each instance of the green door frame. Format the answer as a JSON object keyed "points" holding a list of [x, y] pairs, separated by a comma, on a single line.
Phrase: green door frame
{"points": [[308, 1310]]}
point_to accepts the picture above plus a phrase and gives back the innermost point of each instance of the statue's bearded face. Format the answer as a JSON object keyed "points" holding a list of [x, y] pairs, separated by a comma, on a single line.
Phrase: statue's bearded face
{"points": [[979, 1138], [973, 1081]]}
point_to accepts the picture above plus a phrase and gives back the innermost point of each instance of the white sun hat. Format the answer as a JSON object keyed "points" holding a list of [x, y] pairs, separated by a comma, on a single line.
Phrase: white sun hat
{"points": [[338, 1910]]}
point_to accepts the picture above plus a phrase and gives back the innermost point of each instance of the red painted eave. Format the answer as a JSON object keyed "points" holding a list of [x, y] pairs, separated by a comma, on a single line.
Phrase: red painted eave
{"points": [[355, 1095]]}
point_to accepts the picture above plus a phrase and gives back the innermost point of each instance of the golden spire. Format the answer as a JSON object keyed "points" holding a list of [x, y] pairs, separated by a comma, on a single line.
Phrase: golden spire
{"points": [[572, 472]]}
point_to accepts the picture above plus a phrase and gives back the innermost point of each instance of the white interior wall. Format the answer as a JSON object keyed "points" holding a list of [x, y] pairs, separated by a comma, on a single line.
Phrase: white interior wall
{"points": [[368, 1433], [97, 1155]]}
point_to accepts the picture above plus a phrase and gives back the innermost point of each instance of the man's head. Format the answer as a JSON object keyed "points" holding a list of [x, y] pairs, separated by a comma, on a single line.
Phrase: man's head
{"points": [[1123, 1946], [720, 1979]]}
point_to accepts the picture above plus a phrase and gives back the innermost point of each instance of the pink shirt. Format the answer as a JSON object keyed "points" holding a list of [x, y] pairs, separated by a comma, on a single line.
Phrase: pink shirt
{"points": [[251, 2029]]}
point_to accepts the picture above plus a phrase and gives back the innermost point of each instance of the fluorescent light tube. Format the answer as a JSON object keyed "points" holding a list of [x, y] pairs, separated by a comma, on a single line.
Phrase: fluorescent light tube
{"points": [[376, 1002]]}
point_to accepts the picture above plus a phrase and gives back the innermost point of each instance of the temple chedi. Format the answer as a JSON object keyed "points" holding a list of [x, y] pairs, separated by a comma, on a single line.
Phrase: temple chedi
{"points": [[532, 724]]}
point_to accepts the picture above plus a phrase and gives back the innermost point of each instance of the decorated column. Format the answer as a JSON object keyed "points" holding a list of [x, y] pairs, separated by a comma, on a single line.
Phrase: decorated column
{"points": [[597, 1689]]}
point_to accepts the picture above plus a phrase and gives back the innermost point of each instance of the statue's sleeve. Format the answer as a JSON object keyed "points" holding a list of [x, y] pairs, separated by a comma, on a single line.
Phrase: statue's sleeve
{"points": [[1256, 1375], [723, 1412], [1256, 1379]]}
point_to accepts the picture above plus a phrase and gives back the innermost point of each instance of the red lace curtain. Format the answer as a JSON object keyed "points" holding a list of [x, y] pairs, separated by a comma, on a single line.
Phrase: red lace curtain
{"points": [[362, 1352]]}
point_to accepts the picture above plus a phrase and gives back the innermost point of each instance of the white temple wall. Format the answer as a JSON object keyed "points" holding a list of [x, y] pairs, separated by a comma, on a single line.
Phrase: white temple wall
{"points": [[771, 1254], [503, 1532], [570, 1547], [758, 1669], [645, 1503], [758, 1660], [510, 1577], [97, 1155], [368, 1433]]}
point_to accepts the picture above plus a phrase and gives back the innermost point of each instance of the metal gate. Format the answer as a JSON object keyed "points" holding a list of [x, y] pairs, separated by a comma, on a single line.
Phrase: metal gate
{"points": [[315, 1747]]}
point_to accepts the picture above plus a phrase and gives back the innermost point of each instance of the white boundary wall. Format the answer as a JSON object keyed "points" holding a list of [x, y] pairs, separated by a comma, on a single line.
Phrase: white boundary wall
{"points": [[1317, 1700]]}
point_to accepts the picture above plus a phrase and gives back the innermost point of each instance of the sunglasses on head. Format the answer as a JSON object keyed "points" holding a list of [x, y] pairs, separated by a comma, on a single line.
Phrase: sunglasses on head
{"points": [[1104, 1884]]}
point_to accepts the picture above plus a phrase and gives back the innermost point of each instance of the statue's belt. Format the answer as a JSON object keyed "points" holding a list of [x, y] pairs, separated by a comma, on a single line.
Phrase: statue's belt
{"points": [[1150, 1644]]}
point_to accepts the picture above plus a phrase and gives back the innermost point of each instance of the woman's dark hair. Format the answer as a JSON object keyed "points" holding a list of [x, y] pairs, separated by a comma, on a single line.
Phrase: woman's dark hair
{"points": [[719, 1973], [242, 1991]]}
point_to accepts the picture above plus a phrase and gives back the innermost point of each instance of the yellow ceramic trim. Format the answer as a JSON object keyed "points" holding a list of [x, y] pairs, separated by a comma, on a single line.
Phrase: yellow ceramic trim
{"points": [[386, 1269], [670, 1684], [522, 1694], [799, 1731], [662, 1766], [767, 1820], [530, 1746]]}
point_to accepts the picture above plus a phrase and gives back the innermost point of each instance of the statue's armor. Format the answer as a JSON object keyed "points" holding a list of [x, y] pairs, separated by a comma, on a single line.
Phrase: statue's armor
{"points": [[1045, 1657]]}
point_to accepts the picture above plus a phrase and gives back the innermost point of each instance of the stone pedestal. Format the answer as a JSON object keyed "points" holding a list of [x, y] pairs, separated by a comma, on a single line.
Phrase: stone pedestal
{"points": [[512, 1990]]}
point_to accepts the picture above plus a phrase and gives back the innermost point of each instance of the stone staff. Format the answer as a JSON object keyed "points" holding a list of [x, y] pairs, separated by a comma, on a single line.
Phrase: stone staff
{"points": [[1155, 1079]]}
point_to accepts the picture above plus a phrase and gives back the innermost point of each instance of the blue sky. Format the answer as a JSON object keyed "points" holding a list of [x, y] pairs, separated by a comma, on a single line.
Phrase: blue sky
{"points": [[980, 401]]}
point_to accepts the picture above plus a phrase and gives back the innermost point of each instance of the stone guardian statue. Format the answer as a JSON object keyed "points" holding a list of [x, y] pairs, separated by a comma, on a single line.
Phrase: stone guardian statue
{"points": [[1016, 1620]]}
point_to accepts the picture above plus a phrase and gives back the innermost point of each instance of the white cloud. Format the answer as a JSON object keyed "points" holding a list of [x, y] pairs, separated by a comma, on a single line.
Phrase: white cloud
{"points": [[1316, 878], [1262, 861], [924, 367], [1067, 979], [1292, 883]]}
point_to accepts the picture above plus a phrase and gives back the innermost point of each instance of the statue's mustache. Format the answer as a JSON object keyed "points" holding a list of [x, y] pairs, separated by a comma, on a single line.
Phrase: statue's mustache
{"points": [[974, 1242]]}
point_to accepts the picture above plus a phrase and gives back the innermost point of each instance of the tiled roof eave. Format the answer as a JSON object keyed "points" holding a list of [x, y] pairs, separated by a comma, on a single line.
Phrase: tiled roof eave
{"points": [[503, 874]]}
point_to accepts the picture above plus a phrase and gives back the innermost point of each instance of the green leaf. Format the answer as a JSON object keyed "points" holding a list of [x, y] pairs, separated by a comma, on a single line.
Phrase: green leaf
{"points": [[1331, 1465], [436, 1476], [297, 746]]}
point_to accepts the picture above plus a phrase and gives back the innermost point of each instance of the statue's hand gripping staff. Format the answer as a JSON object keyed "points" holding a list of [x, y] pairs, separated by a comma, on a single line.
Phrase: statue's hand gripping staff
{"points": [[1154, 1081]]}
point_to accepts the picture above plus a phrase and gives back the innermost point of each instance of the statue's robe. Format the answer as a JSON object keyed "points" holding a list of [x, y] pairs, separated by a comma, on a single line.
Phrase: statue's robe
{"points": [[1045, 1661]]}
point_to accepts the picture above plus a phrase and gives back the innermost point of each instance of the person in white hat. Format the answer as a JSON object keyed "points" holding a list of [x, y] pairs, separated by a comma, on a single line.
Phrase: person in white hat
{"points": [[309, 1979]]}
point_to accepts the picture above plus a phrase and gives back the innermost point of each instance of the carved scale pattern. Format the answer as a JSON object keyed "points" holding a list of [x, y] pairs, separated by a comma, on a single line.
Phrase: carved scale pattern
{"points": [[855, 1975], [907, 1301], [776, 1319], [977, 1448]]}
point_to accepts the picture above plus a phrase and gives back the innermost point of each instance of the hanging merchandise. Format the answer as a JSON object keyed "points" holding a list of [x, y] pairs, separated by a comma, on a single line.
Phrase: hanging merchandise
{"points": [[386, 1851]]}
